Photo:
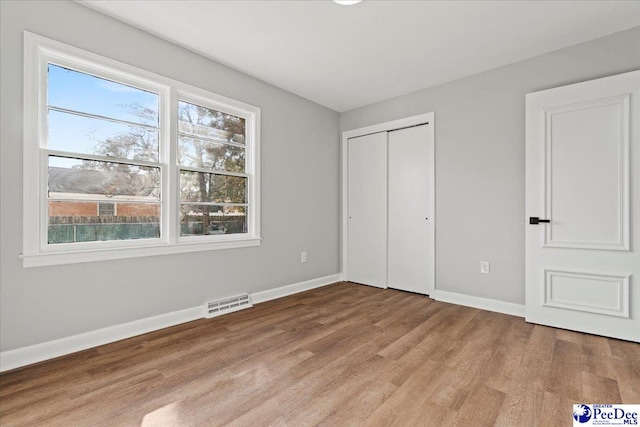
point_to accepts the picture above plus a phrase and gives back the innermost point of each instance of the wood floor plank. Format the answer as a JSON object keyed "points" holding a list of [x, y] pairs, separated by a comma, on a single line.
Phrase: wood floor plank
{"points": [[565, 377], [340, 355], [400, 371], [413, 337], [627, 378], [525, 393], [509, 351], [457, 383], [360, 406], [399, 408], [597, 389], [556, 410], [480, 408]]}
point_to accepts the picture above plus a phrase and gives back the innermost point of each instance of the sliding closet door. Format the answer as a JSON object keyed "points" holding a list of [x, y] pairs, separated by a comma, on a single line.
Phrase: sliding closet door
{"points": [[367, 210], [410, 231]]}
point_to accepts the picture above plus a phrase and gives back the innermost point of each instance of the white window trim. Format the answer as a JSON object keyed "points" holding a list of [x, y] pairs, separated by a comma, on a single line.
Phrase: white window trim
{"points": [[38, 51]]}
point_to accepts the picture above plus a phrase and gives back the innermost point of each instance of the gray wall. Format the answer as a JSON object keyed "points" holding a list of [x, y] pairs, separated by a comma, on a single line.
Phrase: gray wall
{"points": [[300, 187], [480, 158]]}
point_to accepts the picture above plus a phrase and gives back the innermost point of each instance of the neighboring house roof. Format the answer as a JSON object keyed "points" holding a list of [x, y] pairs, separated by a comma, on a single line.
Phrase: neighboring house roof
{"points": [[100, 183]]}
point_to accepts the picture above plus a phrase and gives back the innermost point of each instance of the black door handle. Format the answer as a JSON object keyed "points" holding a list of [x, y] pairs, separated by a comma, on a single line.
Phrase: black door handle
{"points": [[536, 220]]}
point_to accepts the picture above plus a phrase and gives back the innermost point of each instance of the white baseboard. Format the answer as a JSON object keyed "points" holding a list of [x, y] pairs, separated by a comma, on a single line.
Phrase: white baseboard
{"points": [[481, 303], [283, 291], [16, 358], [12, 359]]}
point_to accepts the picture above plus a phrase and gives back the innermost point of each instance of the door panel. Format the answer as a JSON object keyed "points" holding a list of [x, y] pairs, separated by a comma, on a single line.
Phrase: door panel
{"points": [[410, 236], [582, 154], [367, 210], [588, 292], [587, 147]]}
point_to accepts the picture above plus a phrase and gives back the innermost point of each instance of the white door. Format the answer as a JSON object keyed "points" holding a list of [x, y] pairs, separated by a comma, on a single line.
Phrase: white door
{"points": [[410, 231], [582, 174], [367, 210]]}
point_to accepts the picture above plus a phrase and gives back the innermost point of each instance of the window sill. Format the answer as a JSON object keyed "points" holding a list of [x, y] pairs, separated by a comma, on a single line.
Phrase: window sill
{"points": [[75, 257]]}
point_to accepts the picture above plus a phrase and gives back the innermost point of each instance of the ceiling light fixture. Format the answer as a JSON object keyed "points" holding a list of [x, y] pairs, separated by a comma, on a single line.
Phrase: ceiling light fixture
{"points": [[347, 2]]}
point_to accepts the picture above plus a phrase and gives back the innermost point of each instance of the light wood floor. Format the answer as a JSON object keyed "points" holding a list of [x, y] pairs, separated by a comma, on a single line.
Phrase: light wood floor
{"points": [[342, 355]]}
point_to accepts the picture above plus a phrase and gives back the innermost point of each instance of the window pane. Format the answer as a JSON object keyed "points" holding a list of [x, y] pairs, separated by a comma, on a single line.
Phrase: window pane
{"points": [[208, 187], [85, 93], [200, 220], [106, 208], [78, 134], [86, 179], [206, 154], [71, 222], [201, 121]]}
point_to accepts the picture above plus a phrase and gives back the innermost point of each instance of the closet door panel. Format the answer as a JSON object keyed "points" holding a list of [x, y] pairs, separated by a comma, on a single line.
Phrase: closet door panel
{"points": [[367, 210], [410, 238]]}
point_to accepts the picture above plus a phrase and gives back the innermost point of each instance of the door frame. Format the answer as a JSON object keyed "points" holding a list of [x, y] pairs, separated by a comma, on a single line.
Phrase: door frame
{"points": [[386, 127]]}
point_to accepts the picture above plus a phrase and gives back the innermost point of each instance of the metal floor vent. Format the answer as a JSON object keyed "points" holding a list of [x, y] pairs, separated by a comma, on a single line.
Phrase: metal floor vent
{"points": [[227, 305]]}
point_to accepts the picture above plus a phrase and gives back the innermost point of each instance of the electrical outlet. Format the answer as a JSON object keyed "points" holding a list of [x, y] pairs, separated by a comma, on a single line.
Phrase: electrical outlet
{"points": [[303, 256], [484, 267]]}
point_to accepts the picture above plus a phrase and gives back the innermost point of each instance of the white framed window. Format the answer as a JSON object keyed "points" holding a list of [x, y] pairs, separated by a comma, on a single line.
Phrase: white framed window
{"points": [[106, 209], [120, 162]]}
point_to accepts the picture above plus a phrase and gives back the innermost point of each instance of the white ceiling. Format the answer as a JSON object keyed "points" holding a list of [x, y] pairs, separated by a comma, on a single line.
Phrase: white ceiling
{"points": [[344, 57]]}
